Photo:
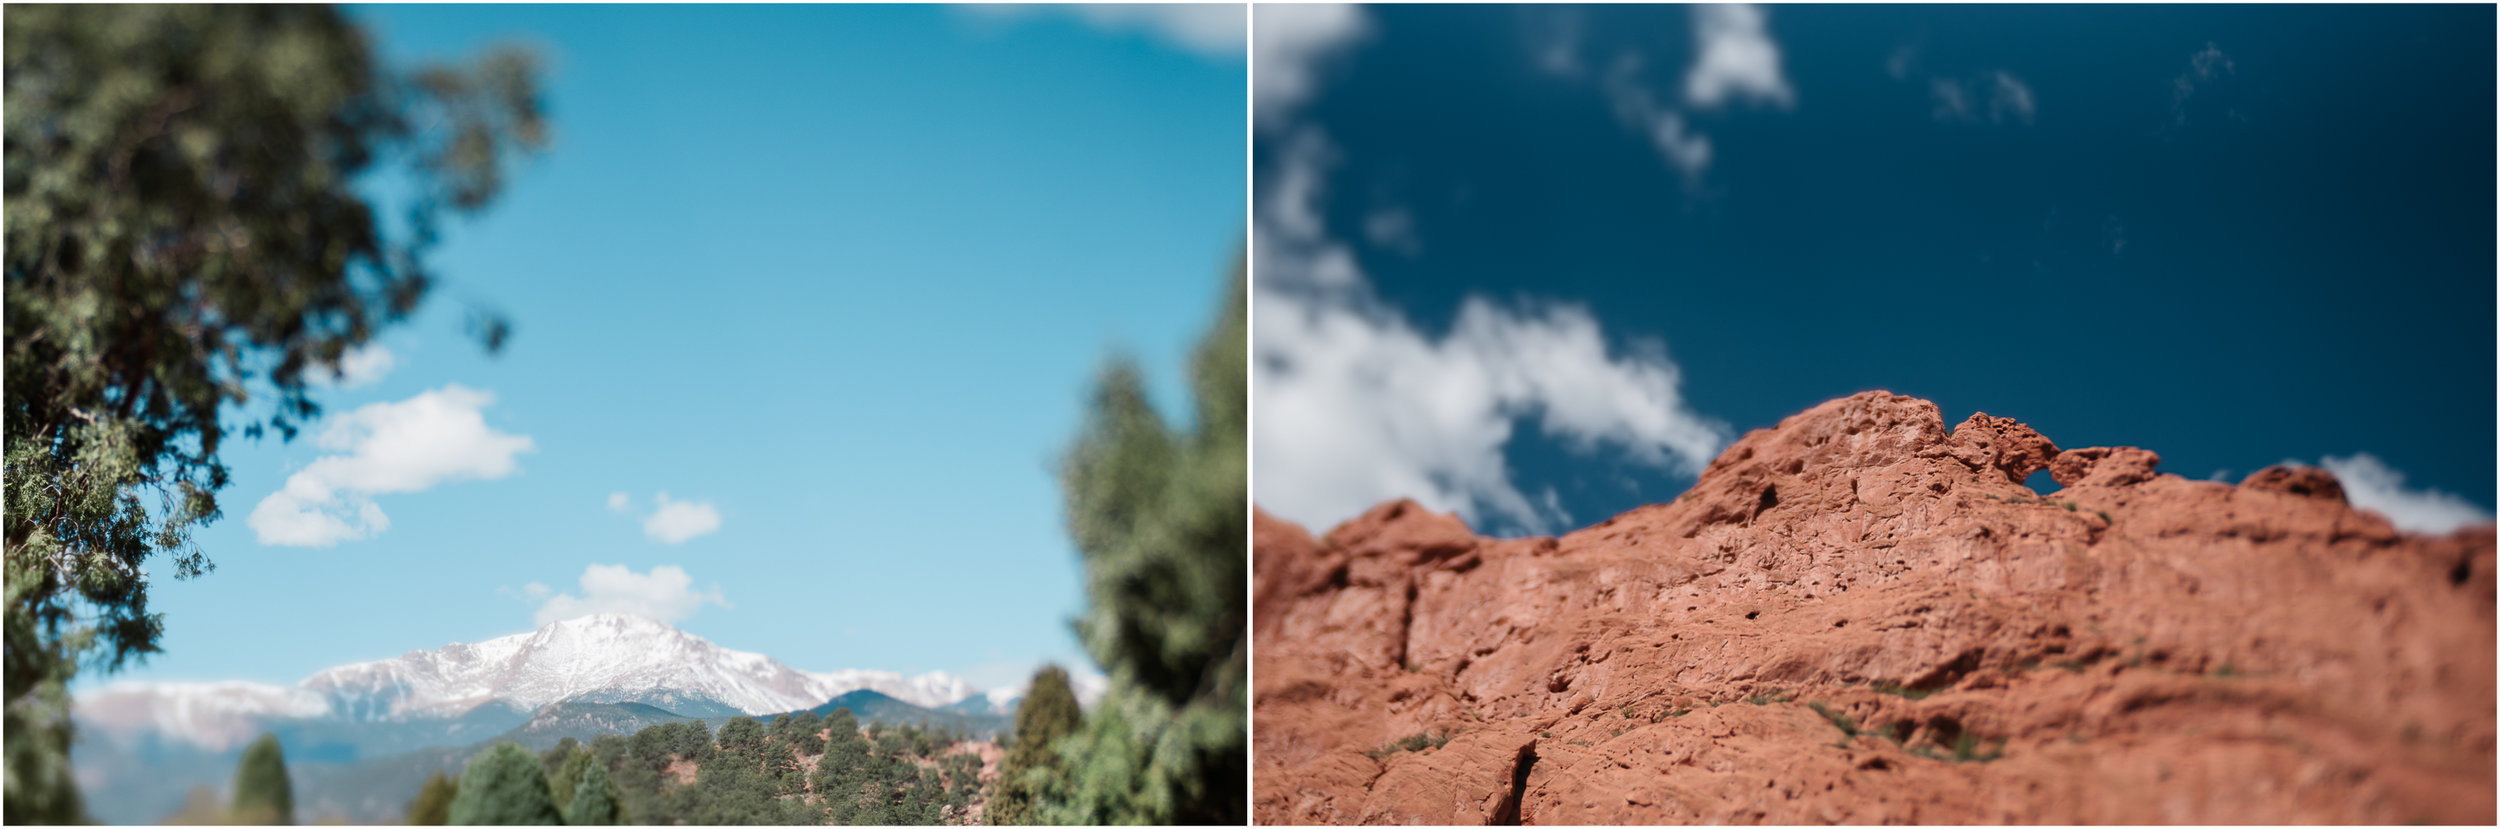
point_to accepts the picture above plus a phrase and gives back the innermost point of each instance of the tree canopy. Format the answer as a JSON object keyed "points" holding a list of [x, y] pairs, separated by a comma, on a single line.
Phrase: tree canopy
{"points": [[1049, 712], [262, 792], [1162, 519], [504, 786], [184, 233], [432, 805]]}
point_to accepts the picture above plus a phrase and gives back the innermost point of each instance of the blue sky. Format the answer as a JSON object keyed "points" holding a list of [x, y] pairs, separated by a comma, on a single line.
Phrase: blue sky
{"points": [[834, 279], [1609, 239]]}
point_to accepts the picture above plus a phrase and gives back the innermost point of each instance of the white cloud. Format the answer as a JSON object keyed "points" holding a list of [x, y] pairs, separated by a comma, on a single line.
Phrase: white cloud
{"points": [[673, 522], [2371, 484], [384, 448], [620, 502], [359, 367], [1737, 59], [1356, 406], [1213, 30], [1290, 44], [666, 594], [537, 591]]}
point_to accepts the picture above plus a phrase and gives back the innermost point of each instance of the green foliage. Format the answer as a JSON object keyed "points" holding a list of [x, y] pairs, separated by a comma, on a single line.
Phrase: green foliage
{"points": [[1416, 742], [1048, 713], [1848, 727], [569, 776], [1161, 518], [184, 230], [593, 799], [1897, 690], [806, 734], [552, 760], [1966, 749], [740, 738], [262, 792], [432, 805], [504, 787]]}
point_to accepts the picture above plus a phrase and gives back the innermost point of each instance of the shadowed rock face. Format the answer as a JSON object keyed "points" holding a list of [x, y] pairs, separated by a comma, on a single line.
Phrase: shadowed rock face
{"points": [[2136, 648]]}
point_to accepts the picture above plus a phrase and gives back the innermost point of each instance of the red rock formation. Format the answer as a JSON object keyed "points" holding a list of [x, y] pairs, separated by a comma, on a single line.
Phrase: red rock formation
{"points": [[2136, 648]]}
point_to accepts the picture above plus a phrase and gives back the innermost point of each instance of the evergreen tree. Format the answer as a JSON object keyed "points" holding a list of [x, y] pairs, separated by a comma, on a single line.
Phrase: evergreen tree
{"points": [[504, 787], [432, 805], [594, 800], [807, 734], [1049, 712], [1161, 518], [552, 760], [740, 739], [262, 792], [567, 777], [187, 224], [693, 741], [842, 772]]}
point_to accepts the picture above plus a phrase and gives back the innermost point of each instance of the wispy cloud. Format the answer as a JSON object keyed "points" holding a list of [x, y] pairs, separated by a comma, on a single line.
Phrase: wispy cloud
{"points": [[2204, 68], [2007, 99], [1393, 228], [1688, 151], [1292, 42], [1211, 29], [385, 448], [1554, 40], [1355, 405], [666, 594], [2371, 484]]}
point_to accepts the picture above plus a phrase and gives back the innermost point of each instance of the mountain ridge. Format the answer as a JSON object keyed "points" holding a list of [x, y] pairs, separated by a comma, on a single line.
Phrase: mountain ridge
{"points": [[600, 658]]}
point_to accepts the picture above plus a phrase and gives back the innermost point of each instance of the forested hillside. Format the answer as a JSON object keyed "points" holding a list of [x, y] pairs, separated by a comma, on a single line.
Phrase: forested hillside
{"points": [[795, 770]]}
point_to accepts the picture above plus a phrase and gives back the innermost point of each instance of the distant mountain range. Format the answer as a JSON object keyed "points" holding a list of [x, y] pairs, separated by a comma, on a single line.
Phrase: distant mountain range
{"points": [[361, 738]]}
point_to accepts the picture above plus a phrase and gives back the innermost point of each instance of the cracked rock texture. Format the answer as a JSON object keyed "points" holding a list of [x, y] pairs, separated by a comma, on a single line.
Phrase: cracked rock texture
{"points": [[2135, 648]]}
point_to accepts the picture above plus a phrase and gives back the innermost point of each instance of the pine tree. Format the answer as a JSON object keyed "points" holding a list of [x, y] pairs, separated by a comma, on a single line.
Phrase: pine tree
{"points": [[562, 782], [740, 739], [262, 793], [552, 760], [1048, 713], [432, 805], [807, 733], [504, 787], [594, 801], [1161, 518]]}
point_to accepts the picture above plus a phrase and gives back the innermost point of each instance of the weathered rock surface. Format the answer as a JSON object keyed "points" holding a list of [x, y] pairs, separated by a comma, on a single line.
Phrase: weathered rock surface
{"points": [[2135, 648]]}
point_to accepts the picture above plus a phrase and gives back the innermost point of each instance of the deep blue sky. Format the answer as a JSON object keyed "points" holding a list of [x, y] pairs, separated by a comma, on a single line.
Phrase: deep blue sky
{"points": [[842, 273], [2296, 262]]}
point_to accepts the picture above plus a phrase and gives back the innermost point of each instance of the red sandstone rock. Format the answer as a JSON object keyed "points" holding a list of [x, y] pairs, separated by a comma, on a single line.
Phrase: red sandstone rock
{"points": [[2135, 648], [2297, 480]]}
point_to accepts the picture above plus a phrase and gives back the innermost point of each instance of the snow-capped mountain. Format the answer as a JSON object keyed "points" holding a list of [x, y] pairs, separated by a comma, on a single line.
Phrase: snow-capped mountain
{"points": [[217, 715], [596, 658]]}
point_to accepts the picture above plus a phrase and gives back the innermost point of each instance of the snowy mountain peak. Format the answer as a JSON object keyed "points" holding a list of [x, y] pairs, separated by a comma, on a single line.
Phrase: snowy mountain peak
{"points": [[604, 657]]}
